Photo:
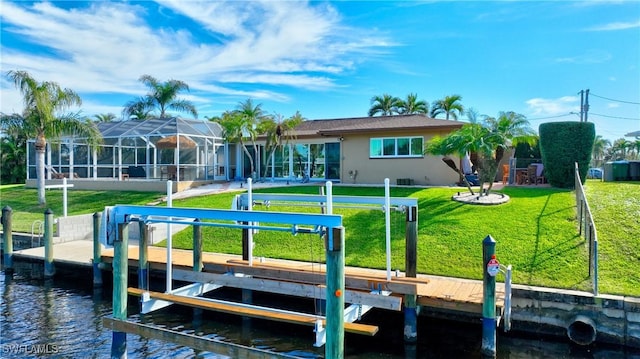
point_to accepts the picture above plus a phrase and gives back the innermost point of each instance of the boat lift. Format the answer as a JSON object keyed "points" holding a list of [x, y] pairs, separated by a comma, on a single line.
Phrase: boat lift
{"points": [[329, 226]]}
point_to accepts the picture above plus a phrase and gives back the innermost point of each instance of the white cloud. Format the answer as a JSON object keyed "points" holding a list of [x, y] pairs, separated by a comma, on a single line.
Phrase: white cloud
{"points": [[589, 57], [615, 26], [552, 107], [105, 47]]}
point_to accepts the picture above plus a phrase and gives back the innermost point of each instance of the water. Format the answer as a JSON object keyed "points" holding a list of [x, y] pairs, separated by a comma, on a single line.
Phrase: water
{"points": [[63, 319]]}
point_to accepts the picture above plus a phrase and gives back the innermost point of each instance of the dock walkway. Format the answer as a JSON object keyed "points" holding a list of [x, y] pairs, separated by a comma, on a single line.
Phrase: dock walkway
{"points": [[436, 292]]}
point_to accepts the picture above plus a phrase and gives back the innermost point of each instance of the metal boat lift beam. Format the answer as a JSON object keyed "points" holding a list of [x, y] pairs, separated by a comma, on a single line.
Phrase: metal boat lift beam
{"points": [[316, 198]]}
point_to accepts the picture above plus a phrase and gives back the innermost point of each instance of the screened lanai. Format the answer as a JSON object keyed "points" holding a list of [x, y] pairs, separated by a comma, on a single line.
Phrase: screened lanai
{"points": [[156, 149]]}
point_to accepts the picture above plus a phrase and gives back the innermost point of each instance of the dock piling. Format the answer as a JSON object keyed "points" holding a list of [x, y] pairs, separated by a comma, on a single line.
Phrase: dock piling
{"points": [[143, 256], [489, 325], [197, 246], [411, 265], [49, 268], [334, 347], [97, 251], [8, 239], [120, 283]]}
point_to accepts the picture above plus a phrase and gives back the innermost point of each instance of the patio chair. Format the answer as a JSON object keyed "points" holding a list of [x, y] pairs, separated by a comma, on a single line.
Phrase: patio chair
{"points": [[532, 177], [505, 173]]}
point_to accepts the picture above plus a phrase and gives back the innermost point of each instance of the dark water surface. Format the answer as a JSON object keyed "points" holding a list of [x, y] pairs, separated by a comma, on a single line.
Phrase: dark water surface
{"points": [[62, 318]]}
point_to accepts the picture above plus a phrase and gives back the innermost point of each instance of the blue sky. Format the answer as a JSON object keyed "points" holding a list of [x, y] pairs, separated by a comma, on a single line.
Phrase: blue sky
{"points": [[327, 59]]}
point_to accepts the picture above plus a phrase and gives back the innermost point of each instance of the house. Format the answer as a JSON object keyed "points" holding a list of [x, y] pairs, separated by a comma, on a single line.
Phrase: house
{"points": [[363, 150], [143, 155]]}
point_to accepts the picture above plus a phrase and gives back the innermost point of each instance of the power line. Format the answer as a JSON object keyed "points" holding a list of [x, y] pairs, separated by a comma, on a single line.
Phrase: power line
{"points": [[610, 99], [617, 117], [550, 117]]}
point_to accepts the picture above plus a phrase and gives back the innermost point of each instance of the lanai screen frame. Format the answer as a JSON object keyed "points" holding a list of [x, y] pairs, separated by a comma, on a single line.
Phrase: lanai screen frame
{"points": [[133, 143]]}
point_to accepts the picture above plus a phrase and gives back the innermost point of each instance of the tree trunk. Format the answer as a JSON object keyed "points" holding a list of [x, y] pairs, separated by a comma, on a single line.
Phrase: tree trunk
{"points": [[246, 151], [41, 145]]}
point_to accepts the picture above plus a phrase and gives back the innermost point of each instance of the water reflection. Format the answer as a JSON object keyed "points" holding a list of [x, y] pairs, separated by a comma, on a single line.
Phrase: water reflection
{"points": [[69, 315]]}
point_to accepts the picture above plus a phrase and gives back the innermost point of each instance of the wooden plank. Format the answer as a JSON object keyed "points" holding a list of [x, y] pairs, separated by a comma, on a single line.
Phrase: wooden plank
{"points": [[289, 288], [317, 276], [215, 346], [228, 307]]}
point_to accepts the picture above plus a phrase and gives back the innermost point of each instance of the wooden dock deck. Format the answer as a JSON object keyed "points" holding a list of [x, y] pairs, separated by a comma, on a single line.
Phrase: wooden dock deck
{"points": [[444, 293]]}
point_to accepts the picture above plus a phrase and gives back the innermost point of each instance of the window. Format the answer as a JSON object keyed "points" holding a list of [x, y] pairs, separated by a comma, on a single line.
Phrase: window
{"points": [[395, 147]]}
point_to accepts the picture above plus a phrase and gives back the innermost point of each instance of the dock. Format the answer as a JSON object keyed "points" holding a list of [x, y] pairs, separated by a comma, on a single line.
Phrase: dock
{"points": [[463, 296]]}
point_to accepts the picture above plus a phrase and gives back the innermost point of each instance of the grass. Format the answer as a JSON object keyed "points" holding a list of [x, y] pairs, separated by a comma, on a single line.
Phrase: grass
{"points": [[24, 203], [615, 207], [536, 231]]}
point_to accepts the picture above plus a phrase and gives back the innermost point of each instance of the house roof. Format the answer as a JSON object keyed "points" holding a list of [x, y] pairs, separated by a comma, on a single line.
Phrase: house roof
{"points": [[633, 134], [343, 126]]}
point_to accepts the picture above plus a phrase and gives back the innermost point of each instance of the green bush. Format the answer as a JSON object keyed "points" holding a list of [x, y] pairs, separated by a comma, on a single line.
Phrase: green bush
{"points": [[562, 144]]}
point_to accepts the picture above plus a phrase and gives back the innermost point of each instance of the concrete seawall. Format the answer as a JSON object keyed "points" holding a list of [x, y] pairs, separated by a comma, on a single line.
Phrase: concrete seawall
{"points": [[580, 316]]}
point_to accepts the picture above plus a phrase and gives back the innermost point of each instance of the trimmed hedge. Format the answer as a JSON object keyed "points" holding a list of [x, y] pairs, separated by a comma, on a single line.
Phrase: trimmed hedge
{"points": [[562, 144]]}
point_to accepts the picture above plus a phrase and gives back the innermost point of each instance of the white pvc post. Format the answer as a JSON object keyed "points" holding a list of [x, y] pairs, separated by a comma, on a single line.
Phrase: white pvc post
{"points": [[64, 196], [169, 242], [250, 231], [329, 197], [387, 219]]}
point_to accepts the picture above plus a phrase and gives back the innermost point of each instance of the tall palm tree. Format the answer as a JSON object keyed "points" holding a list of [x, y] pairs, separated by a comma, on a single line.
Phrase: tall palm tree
{"points": [[600, 146], [39, 120], [450, 106], [104, 117], [473, 116], [276, 129], [162, 97], [412, 105], [251, 115], [384, 105]]}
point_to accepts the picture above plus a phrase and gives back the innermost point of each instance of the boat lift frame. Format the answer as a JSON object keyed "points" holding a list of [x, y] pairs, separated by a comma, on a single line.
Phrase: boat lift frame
{"points": [[329, 225]]}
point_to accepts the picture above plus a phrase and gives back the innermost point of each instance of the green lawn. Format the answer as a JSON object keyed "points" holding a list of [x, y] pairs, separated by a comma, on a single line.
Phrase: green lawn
{"points": [[616, 212], [536, 231], [24, 203]]}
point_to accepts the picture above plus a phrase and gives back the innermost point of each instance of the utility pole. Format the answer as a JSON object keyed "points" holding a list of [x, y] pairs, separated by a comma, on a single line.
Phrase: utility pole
{"points": [[586, 106], [581, 104]]}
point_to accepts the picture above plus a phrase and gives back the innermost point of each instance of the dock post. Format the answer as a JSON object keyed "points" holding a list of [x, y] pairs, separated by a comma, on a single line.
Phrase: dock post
{"points": [[334, 347], [143, 256], [411, 265], [49, 268], [120, 283], [97, 251], [489, 326], [8, 239], [197, 246]]}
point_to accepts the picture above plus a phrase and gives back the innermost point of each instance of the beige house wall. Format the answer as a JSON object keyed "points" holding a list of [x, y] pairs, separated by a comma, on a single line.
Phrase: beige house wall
{"points": [[426, 170]]}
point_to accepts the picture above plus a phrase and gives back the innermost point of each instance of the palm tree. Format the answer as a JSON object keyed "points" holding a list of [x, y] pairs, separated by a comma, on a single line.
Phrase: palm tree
{"points": [[412, 105], [620, 148], [276, 129], [487, 140], [42, 100], [450, 106], [162, 96], [600, 146], [104, 117], [250, 117], [473, 116], [14, 157], [384, 105]]}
